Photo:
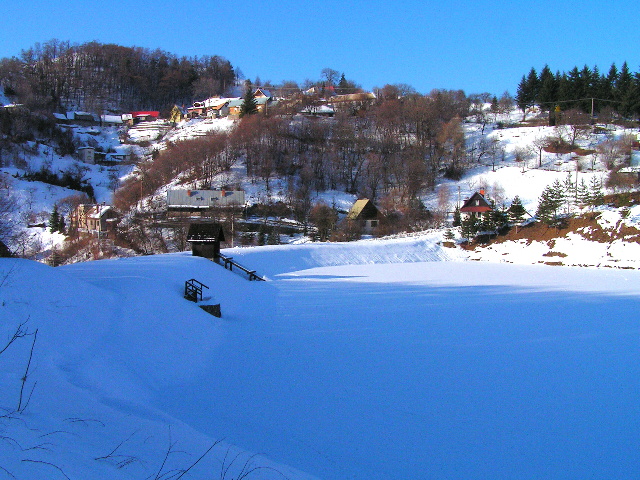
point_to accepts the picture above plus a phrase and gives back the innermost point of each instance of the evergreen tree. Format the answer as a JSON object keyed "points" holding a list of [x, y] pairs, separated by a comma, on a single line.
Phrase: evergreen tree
{"points": [[550, 202], [516, 211], [595, 192], [558, 195], [495, 106], [575, 87], [622, 91], [457, 220], [569, 192], [54, 220], [609, 83], [343, 86], [249, 105], [486, 223], [548, 91], [469, 227], [583, 195], [499, 216], [527, 92]]}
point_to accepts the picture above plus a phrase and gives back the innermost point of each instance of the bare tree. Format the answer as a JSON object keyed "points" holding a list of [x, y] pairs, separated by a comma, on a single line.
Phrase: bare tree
{"points": [[8, 211]]}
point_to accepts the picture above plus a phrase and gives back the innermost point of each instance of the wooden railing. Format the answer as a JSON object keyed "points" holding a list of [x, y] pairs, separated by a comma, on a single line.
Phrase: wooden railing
{"points": [[193, 290], [229, 264]]}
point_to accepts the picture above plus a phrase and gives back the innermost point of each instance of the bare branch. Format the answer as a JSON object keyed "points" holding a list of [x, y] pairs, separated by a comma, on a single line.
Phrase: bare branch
{"points": [[117, 447], [26, 374], [19, 333], [84, 421], [47, 463], [198, 460], [7, 472]]}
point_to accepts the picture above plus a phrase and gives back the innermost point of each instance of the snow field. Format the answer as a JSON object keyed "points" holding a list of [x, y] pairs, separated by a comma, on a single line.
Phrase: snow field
{"points": [[353, 361]]}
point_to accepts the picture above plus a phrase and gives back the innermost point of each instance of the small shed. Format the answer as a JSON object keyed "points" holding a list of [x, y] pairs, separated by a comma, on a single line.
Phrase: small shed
{"points": [[205, 239], [476, 205]]}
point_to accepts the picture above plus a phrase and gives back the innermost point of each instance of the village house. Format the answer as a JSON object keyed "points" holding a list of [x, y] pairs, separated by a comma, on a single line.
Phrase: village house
{"points": [[365, 212], [235, 104], [178, 114], [76, 118], [476, 205], [144, 116], [111, 120], [262, 93], [352, 102], [322, 110], [87, 154], [93, 218], [197, 202]]}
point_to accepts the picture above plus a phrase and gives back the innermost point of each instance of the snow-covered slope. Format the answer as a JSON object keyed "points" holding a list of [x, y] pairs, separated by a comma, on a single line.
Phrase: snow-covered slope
{"points": [[362, 361]]}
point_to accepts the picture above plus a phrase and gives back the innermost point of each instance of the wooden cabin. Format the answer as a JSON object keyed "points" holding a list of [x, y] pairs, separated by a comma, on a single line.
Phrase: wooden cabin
{"points": [[205, 239]]}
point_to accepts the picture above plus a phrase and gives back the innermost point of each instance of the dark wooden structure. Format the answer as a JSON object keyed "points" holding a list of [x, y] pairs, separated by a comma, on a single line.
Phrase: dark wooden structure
{"points": [[205, 239], [193, 290]]}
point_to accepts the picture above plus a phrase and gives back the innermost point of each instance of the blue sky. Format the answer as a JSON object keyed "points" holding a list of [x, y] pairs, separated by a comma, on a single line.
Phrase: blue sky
{"points": [[476, 46]]}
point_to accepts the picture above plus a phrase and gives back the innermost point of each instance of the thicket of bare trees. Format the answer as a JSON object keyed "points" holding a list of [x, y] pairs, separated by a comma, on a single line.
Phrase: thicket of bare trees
{"points": [[97, 76], [393, 150]]}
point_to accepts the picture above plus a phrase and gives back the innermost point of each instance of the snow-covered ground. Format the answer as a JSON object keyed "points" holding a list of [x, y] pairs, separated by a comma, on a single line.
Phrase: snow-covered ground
{"points": [[370, 360]]}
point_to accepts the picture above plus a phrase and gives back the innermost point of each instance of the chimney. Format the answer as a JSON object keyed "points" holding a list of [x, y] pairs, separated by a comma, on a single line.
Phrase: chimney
{"points": [[482, 192]]}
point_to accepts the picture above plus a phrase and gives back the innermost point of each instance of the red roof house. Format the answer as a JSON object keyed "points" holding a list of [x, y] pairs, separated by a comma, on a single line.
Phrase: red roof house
{"points": [[476, 205]]}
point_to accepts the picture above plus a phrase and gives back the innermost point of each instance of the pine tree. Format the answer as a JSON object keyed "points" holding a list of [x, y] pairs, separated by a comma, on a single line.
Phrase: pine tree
{"points": [[499, 216], [550, 201], [548, 91], [54, 220], [457, 220], [595, 191], [569, 193], [623, 90], [558, 195], [486, 223], [249, 105], [583, 195], [343, 86], [469, 227], [527, 92], [516, 211], [495, 106]]}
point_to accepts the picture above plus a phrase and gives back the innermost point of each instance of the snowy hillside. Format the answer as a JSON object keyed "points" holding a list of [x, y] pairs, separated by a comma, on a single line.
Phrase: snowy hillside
{"points": [[514, 169], [372, 360]]}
